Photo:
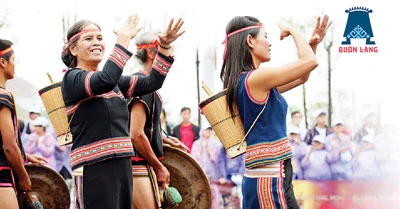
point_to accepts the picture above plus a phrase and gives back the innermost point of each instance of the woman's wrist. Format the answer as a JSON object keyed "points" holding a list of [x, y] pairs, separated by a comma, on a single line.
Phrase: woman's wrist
{"points": [[164, 46]]}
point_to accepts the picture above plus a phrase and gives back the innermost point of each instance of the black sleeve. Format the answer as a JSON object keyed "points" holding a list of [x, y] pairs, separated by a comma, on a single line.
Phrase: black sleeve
{"points": [[176, 132], [79, 84], [196, 131], [6, 100], [134, 85], [146, 100]]}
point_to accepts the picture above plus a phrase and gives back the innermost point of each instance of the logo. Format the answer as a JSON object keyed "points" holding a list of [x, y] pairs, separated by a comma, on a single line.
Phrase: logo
{"points": [[358, 26]]}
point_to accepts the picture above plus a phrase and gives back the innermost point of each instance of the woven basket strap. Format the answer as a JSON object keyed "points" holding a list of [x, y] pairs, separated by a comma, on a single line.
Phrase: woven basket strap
{"points": [[252, 125], [69, 124]]}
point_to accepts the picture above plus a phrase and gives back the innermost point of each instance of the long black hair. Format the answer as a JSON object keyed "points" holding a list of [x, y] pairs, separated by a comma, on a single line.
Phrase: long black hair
{"points": [[66, 56], [238, 57]]}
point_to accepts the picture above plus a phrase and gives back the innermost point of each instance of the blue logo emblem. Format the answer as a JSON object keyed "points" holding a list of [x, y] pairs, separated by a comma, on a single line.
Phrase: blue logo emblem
{"points": [[358, 26]]}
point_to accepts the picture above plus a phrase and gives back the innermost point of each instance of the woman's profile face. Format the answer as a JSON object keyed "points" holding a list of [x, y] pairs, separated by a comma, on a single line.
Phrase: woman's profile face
{"points": [[262, 47], [90, 46]]}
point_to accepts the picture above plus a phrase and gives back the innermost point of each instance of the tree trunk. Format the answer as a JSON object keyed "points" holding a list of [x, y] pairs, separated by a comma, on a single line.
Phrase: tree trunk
{"points": [[198, 86], [305, 105], [328, 49]]}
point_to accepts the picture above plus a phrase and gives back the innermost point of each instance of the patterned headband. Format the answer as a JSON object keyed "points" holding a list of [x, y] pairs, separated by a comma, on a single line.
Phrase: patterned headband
{"points": [[5, 51], [235, 32], [78, 34], [147, 46]]}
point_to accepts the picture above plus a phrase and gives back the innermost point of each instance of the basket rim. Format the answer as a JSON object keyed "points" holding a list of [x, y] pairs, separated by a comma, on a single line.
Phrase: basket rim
{"points": [[49, 87], [212, 98]]}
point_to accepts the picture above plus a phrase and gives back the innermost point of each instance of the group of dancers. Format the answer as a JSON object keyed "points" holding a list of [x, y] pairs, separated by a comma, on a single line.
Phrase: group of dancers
{"points": [[115, 119]]}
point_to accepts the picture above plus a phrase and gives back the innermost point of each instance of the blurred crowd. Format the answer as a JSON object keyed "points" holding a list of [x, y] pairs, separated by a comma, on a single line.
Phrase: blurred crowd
{"points": [[334, 153], [320, 153]]}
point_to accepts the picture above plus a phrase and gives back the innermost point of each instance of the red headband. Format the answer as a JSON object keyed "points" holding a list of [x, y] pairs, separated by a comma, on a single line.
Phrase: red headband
{"points": [[78, 34], [5, 51], [147, 46], [235, 32]]}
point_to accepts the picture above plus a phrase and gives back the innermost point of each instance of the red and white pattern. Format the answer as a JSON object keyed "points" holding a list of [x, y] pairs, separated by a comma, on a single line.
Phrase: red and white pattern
{"points": [[87, 84], [161, 65], [101, 150], [132, 85], [108, 95], [119, 57], [271, 196], [140, 170], [268, 152]]}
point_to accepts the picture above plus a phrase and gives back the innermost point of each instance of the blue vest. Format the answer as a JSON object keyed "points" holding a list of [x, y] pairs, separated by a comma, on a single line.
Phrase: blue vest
{"points": [[267, 142]]}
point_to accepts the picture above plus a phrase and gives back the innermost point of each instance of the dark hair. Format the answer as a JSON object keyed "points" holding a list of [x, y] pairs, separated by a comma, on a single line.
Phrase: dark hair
{"points": [[21, 126], [4, 44], [66, 56], [184, 109], [238, 57], [294, 113]]}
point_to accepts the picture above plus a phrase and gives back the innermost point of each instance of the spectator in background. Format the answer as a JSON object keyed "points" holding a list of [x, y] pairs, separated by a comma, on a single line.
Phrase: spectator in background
{"points": [[233, 173], [63, 162], [41, 142], [34, 112], [365, 162], [164, 122], [369, 128], [320, 127], [187, 132], [296, 118], [299, 149], [339, 143], [316, 165], [387, 146], [206, 151]]}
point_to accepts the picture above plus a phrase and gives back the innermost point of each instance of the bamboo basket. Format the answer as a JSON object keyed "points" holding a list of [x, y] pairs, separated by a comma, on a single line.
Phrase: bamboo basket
{"points": [[229, 128], [55, 107]]}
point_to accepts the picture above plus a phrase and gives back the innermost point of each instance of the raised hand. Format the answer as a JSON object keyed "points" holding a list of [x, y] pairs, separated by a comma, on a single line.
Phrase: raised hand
{"points": [[285, 31], [321, 27], [130, 28], [172, 33]]}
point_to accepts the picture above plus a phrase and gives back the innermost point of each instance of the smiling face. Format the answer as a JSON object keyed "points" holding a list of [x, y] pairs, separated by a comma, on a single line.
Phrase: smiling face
{"points": [[89, 49]]}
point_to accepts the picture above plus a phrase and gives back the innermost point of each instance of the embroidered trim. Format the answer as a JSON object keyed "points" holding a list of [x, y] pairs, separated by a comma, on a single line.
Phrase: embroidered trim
{"points": [[109, 95], [268, 152], [251, 97], [101, 150], [87, 84], [269, 170], [271, 194], [119, 57], [78, 192], [7, 100], [132, 85], [160, 97], [140, 170], [161, 65]]}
